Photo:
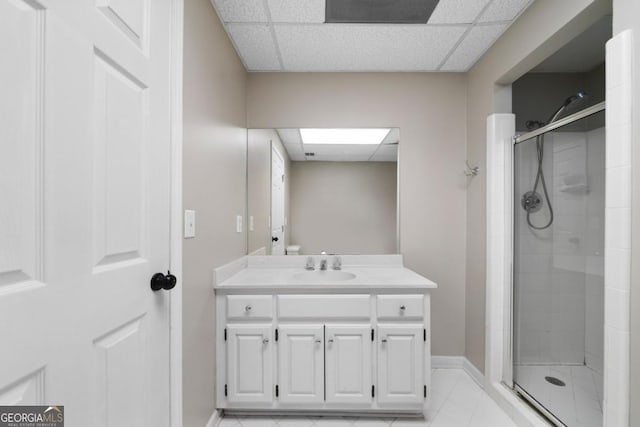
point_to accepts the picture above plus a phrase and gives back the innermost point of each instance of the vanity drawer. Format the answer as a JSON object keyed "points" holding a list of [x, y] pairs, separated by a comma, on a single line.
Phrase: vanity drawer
{"points": [[410, 307], [324, 306], [257, 307]]}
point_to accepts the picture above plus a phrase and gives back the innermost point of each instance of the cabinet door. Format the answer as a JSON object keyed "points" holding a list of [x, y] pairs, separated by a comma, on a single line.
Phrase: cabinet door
{"points": [[348, 374], [249, 363], [301, 363], [400, 364]]}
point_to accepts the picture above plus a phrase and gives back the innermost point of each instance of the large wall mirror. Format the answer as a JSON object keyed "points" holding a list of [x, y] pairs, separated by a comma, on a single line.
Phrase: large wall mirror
{"points": [[315, 190]]}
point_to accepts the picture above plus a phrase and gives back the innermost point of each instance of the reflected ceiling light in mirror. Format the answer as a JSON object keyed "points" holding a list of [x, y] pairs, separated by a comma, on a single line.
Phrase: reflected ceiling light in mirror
{"points": [[349, 136]]}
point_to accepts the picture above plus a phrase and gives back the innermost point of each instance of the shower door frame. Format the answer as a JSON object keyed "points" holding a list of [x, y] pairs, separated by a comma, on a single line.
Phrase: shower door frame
{"points": [[518, 139], [620, 76]]}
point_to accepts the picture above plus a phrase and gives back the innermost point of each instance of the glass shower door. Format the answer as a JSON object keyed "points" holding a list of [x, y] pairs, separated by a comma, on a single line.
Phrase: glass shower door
{"points": [[559, 271]]}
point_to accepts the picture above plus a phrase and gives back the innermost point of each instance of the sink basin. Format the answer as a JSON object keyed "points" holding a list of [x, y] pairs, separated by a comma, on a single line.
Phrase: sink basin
{"points": [[324, 276]]}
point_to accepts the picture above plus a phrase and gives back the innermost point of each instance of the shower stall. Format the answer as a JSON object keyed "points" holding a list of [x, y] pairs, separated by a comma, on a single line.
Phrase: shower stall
{"points": [[558, 263]]}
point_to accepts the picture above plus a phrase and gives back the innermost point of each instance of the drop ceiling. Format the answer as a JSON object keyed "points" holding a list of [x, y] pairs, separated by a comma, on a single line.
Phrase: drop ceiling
{"points": [[291, 36], [386, 151]]}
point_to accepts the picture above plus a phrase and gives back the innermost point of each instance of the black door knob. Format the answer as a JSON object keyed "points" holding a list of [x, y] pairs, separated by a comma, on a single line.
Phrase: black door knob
{"points": [[274, 239], [163, 281]]}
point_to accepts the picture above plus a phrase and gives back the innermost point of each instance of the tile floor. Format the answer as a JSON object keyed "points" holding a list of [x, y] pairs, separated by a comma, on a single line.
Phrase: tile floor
{"points": [[457, 401], [577, 404]]}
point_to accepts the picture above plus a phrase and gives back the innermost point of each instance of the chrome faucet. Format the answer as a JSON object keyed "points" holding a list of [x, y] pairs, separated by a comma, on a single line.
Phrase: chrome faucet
{"points": [[323, 264], [310, 265], [337, 263]]}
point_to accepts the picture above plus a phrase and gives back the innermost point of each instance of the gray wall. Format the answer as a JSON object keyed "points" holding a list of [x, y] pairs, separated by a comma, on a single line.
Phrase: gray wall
{"points": [[213, 185], [540, 31], [625, 16], [344, 207], [538, 95], [431, 162]]}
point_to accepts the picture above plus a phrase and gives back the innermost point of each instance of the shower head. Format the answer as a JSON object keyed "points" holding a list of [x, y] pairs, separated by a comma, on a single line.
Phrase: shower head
{"points": [[569, 102]]}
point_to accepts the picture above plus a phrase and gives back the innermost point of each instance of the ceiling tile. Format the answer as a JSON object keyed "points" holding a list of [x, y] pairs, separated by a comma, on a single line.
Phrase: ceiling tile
{"points": [[294, 150], [255, 45], [457, 11], [386, 153], [339, 158], [295, 155], [504, 10], [308, 11], [392, 136], [290, 136], [241, 11], [345, 47], [341, 149], [476, 42]]}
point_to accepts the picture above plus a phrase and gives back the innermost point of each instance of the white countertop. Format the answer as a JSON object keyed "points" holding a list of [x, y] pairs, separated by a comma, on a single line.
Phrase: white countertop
{"points": [[269, 272]]}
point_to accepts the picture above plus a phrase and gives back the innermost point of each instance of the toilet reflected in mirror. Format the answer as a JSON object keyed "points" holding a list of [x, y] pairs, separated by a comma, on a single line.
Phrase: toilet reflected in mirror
{"points": [[331, 190]]}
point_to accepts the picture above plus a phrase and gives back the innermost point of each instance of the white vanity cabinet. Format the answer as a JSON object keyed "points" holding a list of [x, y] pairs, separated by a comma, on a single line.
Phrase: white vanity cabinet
{"points": [[355, 350]]}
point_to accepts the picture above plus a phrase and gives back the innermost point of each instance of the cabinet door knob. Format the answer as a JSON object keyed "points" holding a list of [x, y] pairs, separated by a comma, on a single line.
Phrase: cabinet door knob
{"points": [[403, 308], [318, 341], [247, 308], [330, 340], [384, 340], [265, 341]]}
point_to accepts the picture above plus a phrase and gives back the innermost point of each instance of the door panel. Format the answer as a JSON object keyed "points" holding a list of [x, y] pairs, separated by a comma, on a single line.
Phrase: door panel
{"points": [[348, 355], [400, 364], [119, 119], [84, 221], [120, 357], [249, 363], [301, 363]]}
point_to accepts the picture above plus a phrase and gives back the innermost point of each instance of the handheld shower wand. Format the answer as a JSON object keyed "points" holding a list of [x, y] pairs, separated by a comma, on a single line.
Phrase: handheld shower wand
{"points": [[531, 200]]}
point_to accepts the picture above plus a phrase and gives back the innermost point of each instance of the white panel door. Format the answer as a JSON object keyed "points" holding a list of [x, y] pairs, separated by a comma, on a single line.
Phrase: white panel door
{"points": [[277, 203], [301, 363], [400, 364], [348, 373], [84, 218], [249, 363]]}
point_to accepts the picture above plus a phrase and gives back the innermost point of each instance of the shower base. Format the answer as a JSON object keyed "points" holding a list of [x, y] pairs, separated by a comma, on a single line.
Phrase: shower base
{"points": [[577, 404]]}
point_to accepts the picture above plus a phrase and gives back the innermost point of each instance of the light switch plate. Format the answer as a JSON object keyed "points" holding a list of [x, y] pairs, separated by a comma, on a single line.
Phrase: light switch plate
{"points": [[239, 224], [251, 223], [189, 224]]}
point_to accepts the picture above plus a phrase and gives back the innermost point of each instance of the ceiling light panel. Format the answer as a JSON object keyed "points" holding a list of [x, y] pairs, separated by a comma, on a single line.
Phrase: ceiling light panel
{"points": [[299, 11], [255, 45], [504, 10], [457, 11], [358, 47], [346, 137], [475, 43], [241, 11]]}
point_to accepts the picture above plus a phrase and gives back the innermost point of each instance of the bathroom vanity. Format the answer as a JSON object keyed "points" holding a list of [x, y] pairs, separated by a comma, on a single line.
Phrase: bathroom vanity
{"points": [[354, 340]]}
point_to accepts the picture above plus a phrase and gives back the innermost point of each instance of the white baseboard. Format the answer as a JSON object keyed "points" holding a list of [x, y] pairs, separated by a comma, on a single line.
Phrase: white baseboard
{"points": [[473, 372], [215, 419], [458, 362], [447, 362]]}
